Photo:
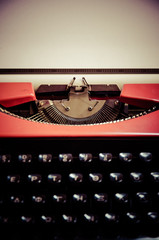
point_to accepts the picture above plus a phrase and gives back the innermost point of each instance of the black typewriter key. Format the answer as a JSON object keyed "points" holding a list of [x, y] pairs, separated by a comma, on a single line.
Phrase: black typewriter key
{"points": [[65, 157], [101, 197], [136, 177], [155, 176], [27, 219], [125, 156], [34, 178], [25, 158], [68, 218], [59, 198], [111, 218], [76, 177], [90, 218], [142, 202], [153, 217], [38, 199], [116, 177], [105, 157], [5, 158], [120, 202], [95, 177], [15, 199], [47, 219], [145, 156], [54, 178], [45, 158], [85, 157], [132, 218], [80, 198], [142, 197], [121, 198], [13, 178]]}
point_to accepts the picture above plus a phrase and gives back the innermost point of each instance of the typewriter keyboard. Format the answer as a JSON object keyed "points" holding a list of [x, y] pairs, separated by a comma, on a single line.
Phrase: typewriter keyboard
{"points": [[73, 187]]}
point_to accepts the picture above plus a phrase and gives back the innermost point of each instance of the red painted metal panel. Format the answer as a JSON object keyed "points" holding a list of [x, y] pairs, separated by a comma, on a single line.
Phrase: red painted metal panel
{"points": [[146, 125], [141, 95], [16, 93]]}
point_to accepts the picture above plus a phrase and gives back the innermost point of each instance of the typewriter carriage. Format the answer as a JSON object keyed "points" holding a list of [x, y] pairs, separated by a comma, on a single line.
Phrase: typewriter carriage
{"points": [[78, 104]]}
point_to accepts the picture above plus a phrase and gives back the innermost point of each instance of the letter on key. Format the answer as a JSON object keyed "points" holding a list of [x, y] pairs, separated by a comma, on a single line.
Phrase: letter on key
{"points": [[90, 218], [125, 156], [45, 157], [26, 219], [54, 178], [46, 219], [65, 157], [136, 176], [17, 199], [59, 198], [13, 178], [80, 197], [25, 158], [95, 177], [76, 177], [105, 157], [69, 218], [38, 199], [116, 177], [101, 197], [5, 158], [85, 157], [35, 178]]}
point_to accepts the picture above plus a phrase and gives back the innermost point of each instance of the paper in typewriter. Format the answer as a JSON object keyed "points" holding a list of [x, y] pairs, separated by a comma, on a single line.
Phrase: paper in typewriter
{"points": [[79, 34]]}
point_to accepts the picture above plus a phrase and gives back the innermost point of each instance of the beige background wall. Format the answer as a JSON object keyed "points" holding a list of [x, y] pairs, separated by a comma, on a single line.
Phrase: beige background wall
{"points": [[79, 34]]}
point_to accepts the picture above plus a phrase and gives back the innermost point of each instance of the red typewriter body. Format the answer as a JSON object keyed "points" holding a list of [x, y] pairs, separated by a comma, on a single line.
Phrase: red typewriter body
{"points": [[142, 95], [95, 177]]}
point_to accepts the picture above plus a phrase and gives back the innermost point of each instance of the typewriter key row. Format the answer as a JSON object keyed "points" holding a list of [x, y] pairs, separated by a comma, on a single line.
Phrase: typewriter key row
{"points": [[136, 177], [83, 157], [105, 218], [113, 198]]}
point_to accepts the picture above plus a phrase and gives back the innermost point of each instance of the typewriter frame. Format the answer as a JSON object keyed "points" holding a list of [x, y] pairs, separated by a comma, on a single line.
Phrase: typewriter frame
{"points": [[141, 132]]}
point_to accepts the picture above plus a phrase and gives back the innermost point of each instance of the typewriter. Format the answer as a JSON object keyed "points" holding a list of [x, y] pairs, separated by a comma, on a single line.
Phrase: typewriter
{"points": [[79, 161]]}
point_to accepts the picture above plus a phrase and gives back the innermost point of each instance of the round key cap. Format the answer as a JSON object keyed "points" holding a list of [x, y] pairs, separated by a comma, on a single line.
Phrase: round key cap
{"points": [[105, 157], [116, 177], [65, 157], [76, 177], [95, 177], [85, 157], [25, 158], [145, 156], [125, 156]]}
